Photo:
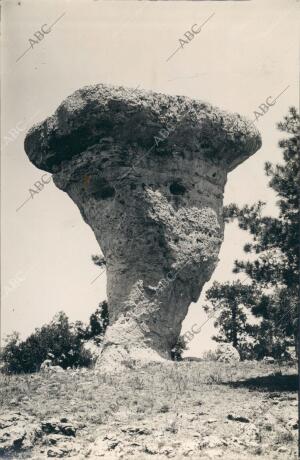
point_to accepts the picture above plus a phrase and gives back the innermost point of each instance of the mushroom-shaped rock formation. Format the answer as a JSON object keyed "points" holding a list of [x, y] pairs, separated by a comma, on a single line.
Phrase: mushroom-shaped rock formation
{"points": [[147, 172]]}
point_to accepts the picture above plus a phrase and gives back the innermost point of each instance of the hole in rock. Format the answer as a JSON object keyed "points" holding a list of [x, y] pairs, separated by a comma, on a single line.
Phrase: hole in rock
{"points": [[107, 192], [204, 145], [177, 189], [101, 189]]}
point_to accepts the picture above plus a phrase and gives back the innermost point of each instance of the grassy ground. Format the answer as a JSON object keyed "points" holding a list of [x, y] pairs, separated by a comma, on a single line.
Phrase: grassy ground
{"points": [[178, 410]]}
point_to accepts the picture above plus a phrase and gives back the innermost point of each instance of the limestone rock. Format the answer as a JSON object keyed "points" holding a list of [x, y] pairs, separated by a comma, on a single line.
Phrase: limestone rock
{"points": [[238, 418], [147, 172], [268, 360], [58, 427], [93, 348], [18, 432], [47, 366], [212, 441], [226, 353]]}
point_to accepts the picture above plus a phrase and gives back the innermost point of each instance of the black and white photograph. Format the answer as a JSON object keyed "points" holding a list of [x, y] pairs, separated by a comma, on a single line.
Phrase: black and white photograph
{"points": [[150, 182]]}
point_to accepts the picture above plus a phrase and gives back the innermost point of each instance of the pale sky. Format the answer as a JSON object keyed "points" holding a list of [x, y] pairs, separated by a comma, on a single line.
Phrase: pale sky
{"points": [[246, 52]]}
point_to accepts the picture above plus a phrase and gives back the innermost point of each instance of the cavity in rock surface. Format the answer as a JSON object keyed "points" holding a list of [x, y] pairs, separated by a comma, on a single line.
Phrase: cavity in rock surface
{"points": [[147, 172]]}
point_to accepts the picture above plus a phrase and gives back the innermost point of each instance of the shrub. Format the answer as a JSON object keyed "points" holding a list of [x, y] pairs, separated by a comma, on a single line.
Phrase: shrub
{"points": [[58, 341], [178, 348], [98, 323]]}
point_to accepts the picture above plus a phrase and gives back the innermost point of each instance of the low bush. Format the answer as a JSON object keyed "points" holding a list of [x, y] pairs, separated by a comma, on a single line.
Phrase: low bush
{"points": [[60, 340]]}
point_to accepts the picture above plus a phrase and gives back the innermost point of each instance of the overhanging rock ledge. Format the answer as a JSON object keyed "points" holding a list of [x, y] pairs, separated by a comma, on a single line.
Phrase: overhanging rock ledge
{"points": [[147, 172]]}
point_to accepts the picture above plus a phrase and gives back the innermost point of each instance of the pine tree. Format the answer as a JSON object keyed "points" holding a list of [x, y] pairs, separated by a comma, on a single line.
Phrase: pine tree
{"points": [[276, 239], [229, 303]]}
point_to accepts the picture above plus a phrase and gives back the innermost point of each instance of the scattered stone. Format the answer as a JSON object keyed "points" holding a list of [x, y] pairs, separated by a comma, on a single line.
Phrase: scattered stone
{"points": [[63, 447], [249, 435], [268, 360], [189, 447], [282, 449], [198, 403], [212, 442], [150, 450], [211, 420], [18, 432], [56, 452], [56, 426], [113, 445], [48, 367], [191, 418], [226, 353], [135, 430], [293, 423], [238, 418]]}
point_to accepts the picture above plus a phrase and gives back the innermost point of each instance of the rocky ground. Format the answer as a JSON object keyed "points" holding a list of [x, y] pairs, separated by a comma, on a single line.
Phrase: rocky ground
{"points": [[194, 410]]}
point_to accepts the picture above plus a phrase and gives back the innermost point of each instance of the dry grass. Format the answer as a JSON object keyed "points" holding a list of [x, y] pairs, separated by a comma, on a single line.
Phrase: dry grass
{"points": [[182, 398]]}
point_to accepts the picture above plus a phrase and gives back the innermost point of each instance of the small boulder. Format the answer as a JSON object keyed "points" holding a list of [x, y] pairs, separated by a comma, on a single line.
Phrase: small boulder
{"points": [[46, 365], [268, 360], [56, 370], [212, 442], [282, 449], [17, 433], [238, 418], [54, 426], [226, 353]]}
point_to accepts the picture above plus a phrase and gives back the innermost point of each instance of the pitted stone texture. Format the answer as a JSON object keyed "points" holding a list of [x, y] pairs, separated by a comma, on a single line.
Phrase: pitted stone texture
{"points": [[226, 353], [147, 172]]}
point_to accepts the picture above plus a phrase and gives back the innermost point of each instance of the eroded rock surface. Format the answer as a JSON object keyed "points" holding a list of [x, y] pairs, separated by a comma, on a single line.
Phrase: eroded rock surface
{"points": [[147, 172], [226, 353]]}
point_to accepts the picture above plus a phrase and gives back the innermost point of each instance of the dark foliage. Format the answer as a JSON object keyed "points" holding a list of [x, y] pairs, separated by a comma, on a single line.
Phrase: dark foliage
{"points": [[98, 323], [228, 302], [58, 341], [273, 272], [179, 347]]}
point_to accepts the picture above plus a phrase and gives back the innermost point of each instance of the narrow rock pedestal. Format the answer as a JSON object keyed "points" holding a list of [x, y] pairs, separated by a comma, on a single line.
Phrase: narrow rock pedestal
{"points": [[147, 172]]}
